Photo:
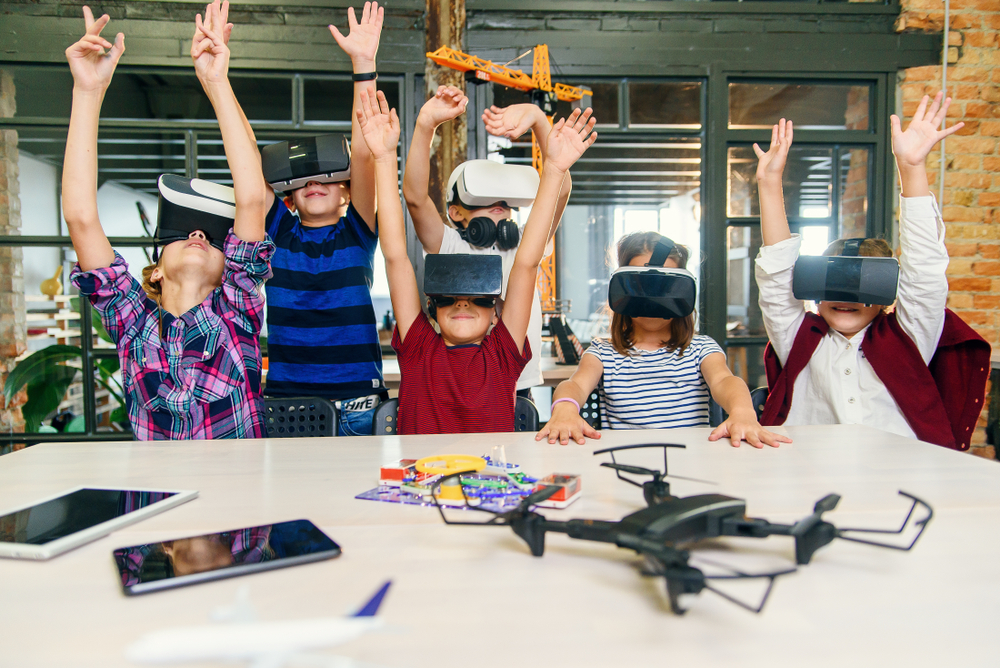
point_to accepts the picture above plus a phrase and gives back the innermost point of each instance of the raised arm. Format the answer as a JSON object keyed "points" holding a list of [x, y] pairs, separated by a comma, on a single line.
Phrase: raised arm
{"points": [[211, 63], [912, 147], [448, 103], [381, 134], [361, 45], [512, 122], [92, 70], [569, 139], [770, 166]]}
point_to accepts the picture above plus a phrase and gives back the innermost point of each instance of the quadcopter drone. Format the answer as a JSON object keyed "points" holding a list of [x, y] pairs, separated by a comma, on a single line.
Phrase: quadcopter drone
{"points": [[668, 524]]}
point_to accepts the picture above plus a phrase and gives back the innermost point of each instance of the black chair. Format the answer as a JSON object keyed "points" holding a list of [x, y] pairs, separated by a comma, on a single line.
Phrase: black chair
{"points": [[299, 417], [386, 419], [591, 409], [384, 422], [717, 416]]}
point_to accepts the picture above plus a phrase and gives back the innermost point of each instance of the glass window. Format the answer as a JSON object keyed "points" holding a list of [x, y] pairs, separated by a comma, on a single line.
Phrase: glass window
{"points": [[332, 100], [747, 362], [809, 106], [676, 104], [743, 316]]}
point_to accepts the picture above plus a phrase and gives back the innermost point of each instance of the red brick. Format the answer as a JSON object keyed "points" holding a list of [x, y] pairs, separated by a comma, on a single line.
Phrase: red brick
{"points": [[966, 73], [977, 317], [964, 198], [926, 73], [974, 145], [986, 268], [963, 266], [967, 57], [985, 301], [988, 57], [962, 250], [980, 5], [981, 110], [958, 300], [989, 199], [967, 180], [988, 333], [968, 128], [991, 164], [970, 284], [965, 92], [984, 451], [991, 128], [980, 38], [955, 38], [965, 22], [965, 161], [991, 21], [989, 251]]}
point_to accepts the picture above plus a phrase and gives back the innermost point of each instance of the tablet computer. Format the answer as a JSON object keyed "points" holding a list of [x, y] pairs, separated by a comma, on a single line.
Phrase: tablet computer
{"points": [[69, 519], [194, 559]]}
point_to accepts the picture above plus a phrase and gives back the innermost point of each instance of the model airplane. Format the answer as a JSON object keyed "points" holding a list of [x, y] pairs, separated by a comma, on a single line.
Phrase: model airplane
{"points": [[668, 524], [268, 644]]}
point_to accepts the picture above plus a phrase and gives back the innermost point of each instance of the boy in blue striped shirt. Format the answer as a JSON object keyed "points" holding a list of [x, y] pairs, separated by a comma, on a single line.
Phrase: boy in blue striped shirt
{"points": [[322, 331]]}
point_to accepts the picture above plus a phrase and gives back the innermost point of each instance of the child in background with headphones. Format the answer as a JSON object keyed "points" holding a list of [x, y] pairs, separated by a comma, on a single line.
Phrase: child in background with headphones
{"points": [[657, 373], [476, 228], [462, 380], [195, 374], [918, 371]]}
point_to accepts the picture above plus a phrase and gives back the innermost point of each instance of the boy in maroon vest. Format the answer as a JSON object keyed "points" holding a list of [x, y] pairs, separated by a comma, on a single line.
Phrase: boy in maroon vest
{"points": [[915, 369]]}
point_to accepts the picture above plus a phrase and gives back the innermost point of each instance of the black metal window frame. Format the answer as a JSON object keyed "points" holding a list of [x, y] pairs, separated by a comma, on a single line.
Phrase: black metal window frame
{"points": [[295, 126]]}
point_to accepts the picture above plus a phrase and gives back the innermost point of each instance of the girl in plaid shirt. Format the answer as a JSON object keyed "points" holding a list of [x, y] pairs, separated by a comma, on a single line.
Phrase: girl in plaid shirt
{"points": [[190, 359]]}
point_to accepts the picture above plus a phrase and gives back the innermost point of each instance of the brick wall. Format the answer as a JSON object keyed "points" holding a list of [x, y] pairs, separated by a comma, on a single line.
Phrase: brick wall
{"points": [[12, 317], [971, 205]]}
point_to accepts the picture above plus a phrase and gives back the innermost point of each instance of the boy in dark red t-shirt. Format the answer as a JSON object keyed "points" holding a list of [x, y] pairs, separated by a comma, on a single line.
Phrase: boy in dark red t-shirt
{"points": [[463, 379]]}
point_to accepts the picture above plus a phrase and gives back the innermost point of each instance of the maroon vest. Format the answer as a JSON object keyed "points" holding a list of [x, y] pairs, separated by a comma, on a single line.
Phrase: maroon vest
{"points": [[941, 401]]}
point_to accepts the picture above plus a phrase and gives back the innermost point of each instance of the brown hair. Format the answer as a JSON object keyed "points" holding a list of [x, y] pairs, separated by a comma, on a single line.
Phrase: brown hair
{"points": [[152, 288], [681, 329], [867, 248]]}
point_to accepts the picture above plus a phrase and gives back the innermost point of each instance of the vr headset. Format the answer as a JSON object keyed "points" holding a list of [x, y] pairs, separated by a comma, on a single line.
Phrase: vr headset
{"points": [[480, 183], [290, 165], [474, 276], [846, 278], [653, 291], [187, 205]]}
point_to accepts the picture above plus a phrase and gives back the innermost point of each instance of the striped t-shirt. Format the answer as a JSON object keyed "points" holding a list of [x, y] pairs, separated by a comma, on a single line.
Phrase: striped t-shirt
{"points": [[654, 389], [322, 338]]}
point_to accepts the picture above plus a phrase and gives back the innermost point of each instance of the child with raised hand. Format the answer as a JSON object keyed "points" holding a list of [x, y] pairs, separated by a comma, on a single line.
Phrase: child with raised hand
{"points": [[917, 371], [462, 380], [438, 237], [657, 373], [191, 359], [322, 332]]}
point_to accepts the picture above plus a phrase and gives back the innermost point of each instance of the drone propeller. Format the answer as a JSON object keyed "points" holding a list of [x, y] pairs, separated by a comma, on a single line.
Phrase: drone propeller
{"points": [[635, 470]]}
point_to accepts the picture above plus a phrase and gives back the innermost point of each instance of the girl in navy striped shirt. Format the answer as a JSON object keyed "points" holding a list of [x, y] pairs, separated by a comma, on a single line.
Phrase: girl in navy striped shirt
{"points": [[657, 374]]}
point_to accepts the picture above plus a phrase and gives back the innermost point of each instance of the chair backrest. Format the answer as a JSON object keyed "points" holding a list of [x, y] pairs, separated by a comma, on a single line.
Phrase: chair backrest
{"points": [[525, 415], [384, 422], [386, 417], [717, 416], [299, 417], [591, 409]]}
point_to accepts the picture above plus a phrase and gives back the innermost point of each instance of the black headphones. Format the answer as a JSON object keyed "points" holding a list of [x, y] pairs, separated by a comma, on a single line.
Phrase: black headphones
{"points": [[482, 232]]}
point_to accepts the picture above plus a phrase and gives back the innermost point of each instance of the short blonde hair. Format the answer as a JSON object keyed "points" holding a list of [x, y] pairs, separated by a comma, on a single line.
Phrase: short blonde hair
{"points": [[152, 288]]}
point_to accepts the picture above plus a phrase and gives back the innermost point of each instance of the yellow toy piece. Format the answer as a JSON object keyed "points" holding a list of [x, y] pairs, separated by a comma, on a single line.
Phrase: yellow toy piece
{"points": [[450, 490]]}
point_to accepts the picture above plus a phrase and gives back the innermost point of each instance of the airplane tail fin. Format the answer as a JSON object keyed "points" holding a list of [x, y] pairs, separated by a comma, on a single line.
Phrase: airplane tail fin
{"points": [[371, 607]]}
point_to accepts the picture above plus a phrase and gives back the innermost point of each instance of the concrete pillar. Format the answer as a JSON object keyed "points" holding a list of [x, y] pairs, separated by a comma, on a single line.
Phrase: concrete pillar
{"points": [[445, 26]]}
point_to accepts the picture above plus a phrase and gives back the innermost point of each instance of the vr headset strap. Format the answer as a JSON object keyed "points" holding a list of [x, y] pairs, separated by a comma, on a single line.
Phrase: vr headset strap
{"points": [[664, 247], [852, 247]]}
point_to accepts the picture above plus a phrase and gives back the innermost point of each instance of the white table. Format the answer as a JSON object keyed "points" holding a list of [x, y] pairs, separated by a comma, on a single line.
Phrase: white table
{"points": [[552, 373], [474, 596]]}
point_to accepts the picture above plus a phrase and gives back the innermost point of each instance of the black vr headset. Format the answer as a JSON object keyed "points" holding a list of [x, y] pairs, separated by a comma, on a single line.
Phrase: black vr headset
{"points": [[480, 183], [846, 278], [290, 165], [187, 205], [453, 275], [653, 291]]}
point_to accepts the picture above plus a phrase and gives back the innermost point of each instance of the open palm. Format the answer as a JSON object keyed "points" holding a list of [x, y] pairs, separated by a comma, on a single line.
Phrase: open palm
{"points": [[772, 163], [379, 125], [208, 46], [448, 103], [92, 68], [362, 39], [569, 139], [510, 122], [912, 146]]}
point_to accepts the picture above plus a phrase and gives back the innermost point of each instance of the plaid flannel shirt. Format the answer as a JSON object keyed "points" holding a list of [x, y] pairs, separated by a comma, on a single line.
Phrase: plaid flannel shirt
{"points": [[202, 380]]}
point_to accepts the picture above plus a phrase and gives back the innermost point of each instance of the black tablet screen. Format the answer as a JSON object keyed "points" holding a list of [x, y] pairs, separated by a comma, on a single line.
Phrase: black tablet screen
{"points": [[72, 512]]}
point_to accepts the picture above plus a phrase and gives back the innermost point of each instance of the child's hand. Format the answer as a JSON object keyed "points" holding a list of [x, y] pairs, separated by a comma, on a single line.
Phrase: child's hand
{"points": [[448, 103], [361, 43], [569, 139], [208, 45], [512, 121], [92, 68], [379, 126], [739, 428], [565, 425], [770, 165], [911, 147]]}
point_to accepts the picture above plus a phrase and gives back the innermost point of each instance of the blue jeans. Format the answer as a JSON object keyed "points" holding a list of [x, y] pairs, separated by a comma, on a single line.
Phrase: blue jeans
{"points": [[355, 423]]}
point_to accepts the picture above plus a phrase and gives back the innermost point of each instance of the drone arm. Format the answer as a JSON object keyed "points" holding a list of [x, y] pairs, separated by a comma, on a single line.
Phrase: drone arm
{"points": [[748, 527]]}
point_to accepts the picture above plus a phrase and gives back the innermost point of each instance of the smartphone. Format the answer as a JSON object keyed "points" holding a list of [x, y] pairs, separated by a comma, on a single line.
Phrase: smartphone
{"points": [[194, 559], [53, 525]]}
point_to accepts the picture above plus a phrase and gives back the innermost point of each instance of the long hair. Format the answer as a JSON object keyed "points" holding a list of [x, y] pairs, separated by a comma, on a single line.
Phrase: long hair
{"points": [[681, 329]]}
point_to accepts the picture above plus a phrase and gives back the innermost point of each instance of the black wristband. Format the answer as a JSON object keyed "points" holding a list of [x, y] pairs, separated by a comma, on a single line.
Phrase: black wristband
{"points": [[365, 76]]}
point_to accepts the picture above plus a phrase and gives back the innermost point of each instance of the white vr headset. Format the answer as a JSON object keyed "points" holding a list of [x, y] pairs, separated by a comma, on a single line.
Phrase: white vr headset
{"points": [[290, 165], [653, 291], [479, 183], [187, 205]]}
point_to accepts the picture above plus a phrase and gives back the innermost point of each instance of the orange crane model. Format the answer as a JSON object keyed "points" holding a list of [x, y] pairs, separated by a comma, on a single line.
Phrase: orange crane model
{"points": [[544, 93]]}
